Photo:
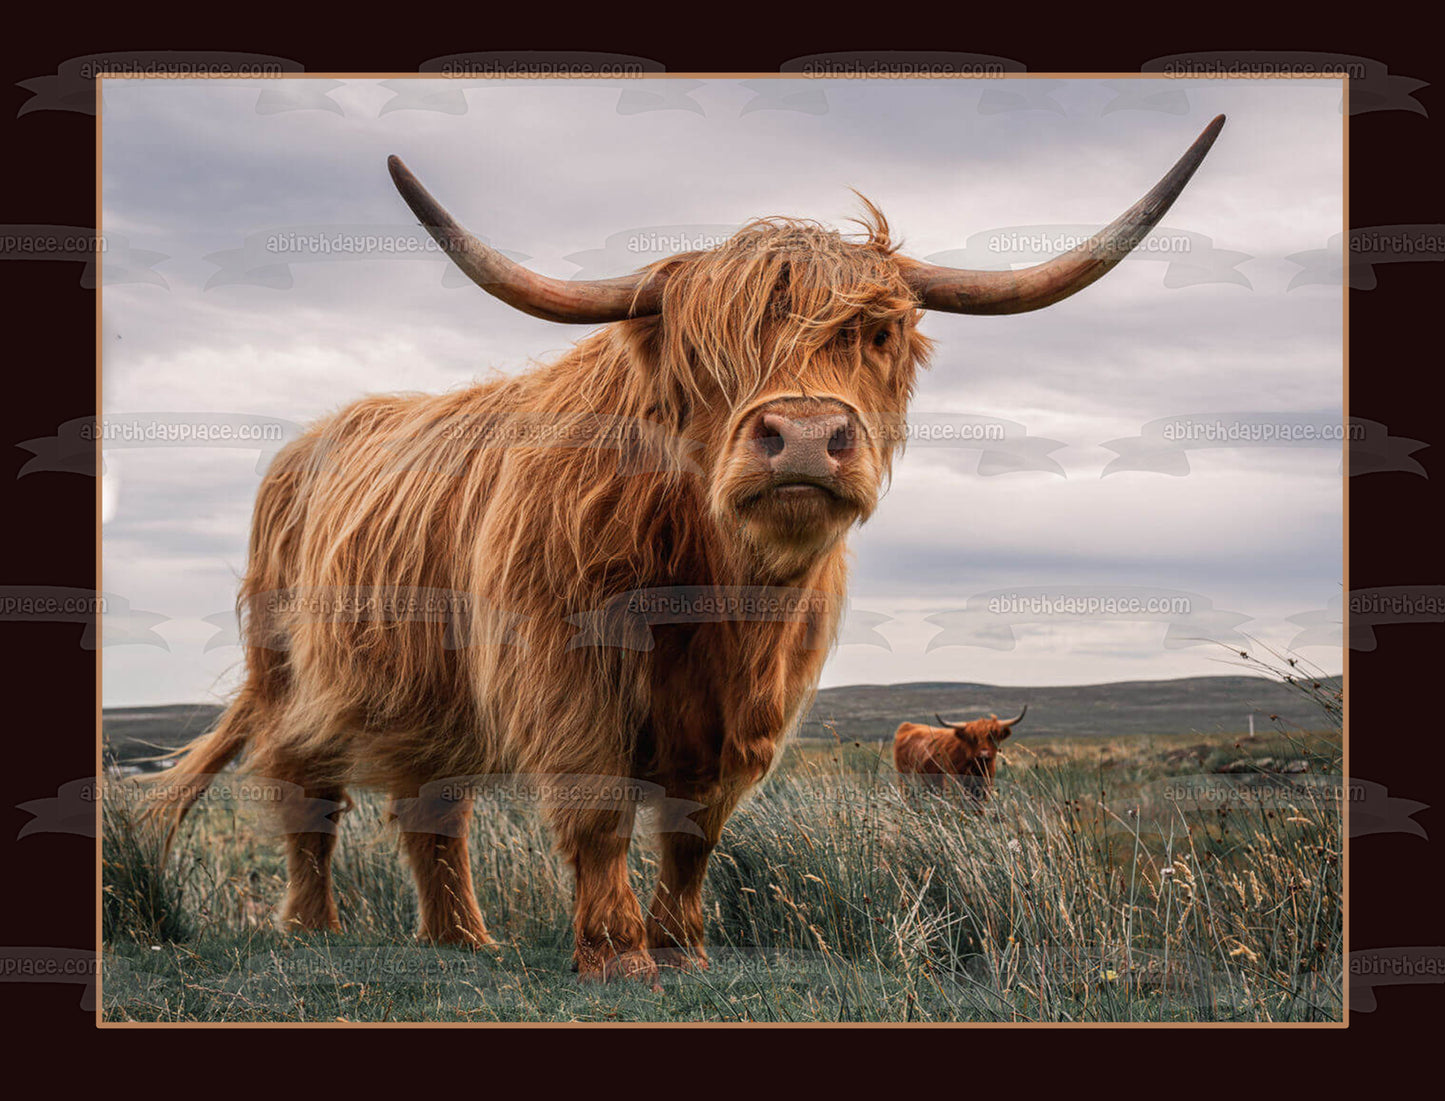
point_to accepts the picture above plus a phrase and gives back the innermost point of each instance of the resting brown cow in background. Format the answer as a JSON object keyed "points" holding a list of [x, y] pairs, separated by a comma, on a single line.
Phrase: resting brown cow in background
{"points": [[762, 387], [967, 751]]}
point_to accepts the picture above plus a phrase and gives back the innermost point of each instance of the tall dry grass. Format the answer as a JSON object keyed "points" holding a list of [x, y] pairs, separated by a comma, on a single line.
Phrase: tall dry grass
{"points": [[1083, 890]]}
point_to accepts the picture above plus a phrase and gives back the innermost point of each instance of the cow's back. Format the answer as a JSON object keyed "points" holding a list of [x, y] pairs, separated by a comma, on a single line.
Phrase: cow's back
{"points": [[356, 594], [913, 748], [454, 519]]}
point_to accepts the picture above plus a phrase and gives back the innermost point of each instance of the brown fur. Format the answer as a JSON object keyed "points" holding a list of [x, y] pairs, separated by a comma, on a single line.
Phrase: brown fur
{"points": [[968, 752], [394, 494]]}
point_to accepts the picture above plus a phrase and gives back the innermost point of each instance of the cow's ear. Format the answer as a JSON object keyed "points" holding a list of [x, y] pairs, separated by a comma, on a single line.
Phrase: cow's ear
{"points": [[1007, 730], [639, 342]]}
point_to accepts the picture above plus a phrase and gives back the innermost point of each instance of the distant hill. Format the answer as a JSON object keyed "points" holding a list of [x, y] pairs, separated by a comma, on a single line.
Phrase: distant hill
{"points": [[134, 733], [1188, 705], [863, 712]]}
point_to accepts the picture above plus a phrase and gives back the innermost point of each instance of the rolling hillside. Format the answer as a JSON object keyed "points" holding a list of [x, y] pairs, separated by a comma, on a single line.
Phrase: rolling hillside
{"points": [[863, 712], [1189, 705]]}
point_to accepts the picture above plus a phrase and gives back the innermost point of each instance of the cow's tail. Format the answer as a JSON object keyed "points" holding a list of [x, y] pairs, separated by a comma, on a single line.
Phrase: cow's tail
{"points": [[170, 794]]}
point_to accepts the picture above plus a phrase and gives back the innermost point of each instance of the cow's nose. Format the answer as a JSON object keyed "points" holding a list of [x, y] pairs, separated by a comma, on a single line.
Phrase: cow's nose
{"points": [[814, 445]]}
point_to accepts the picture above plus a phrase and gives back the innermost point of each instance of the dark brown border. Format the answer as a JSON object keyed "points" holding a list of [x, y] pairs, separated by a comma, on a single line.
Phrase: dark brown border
{"points": [[1395, 179]]}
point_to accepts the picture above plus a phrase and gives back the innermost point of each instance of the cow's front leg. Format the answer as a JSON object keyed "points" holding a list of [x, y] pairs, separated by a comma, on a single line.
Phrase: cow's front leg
{"points": [[610, 936], [434, 829], [675, 917]]}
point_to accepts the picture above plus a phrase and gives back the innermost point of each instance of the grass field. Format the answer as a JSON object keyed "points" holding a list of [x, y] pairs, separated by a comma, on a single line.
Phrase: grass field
{"points": [[1106, 880]]}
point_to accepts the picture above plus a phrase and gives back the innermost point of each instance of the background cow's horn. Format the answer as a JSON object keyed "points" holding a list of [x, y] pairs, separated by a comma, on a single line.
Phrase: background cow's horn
{"points": [[1017, 717], [959, 290], [577, 301]]}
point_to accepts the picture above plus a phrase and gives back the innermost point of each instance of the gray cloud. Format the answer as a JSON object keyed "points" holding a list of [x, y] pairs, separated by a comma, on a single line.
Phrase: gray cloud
{"points": [[555, 174]]}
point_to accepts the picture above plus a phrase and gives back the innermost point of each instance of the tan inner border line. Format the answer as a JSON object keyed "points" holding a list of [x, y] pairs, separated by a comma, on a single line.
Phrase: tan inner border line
{"points": [[100, 644], [877, 78], [1345, 521]]}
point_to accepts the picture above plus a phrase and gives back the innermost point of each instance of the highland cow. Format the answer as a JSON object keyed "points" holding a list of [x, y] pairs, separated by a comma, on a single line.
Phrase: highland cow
{"points": [[762, 388], [966, 753]]}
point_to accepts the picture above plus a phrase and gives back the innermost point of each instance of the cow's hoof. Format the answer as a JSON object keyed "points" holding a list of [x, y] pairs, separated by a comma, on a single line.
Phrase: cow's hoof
{"points": [[459, 937], [301, 925], [608, 965], [681, 959]]}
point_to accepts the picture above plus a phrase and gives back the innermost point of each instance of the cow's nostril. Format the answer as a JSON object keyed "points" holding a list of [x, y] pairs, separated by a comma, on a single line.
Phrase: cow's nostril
{"points": [[842, 441], [768, 439]]}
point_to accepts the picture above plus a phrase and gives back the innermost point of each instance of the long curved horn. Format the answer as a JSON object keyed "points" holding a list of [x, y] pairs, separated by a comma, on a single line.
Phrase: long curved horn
{"points": [[944, 722], [1016, 718], [575, 301], [959, 290]]}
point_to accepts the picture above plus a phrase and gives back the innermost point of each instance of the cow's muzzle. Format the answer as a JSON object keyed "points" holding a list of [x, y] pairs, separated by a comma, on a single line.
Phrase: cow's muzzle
{"points": [[804, 443]]}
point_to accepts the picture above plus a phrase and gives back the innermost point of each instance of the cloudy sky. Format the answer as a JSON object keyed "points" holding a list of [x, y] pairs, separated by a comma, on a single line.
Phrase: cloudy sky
{"points": [[205, 324]]}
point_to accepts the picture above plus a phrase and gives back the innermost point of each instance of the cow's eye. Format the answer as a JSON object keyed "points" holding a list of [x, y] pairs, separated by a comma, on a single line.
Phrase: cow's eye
{"points": [[880, 338]]}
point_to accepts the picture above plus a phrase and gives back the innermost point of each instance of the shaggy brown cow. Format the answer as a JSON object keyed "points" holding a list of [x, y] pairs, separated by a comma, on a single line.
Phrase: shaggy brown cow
{"points": [[966, 751], [762, 388]]}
